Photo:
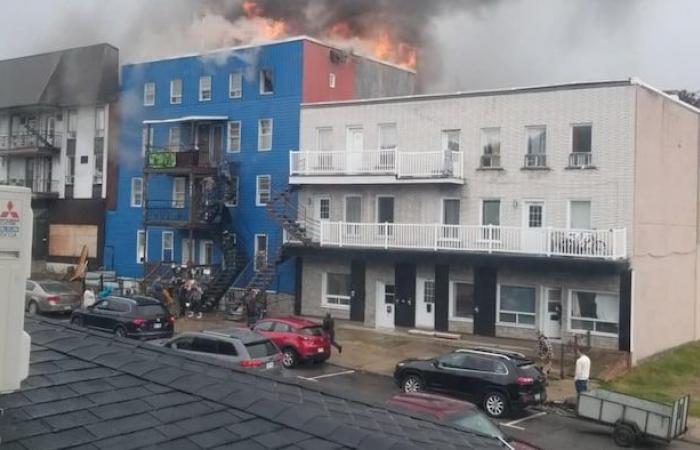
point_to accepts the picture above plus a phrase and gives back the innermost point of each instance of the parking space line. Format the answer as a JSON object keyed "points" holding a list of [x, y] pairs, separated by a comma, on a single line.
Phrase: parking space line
{"points": [[327, 375], [515, 422]]}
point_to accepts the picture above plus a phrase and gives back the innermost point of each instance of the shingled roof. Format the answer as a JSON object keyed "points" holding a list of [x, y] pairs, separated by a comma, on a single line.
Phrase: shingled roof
{"points": [[77, 76], [91, 391]]}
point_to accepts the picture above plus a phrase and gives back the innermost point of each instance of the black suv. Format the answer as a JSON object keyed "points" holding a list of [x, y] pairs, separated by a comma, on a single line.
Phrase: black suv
{"points": [[497, 380], [136, 317]]}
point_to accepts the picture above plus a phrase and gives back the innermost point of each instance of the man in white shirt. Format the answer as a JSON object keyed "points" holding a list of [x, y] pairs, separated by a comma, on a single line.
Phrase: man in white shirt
{"points": [[88, 297], [583, 371]]}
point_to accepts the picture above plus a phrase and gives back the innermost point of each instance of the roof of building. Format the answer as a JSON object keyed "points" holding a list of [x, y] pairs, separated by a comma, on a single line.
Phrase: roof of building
{"points": [[94, 391], [77, 76], [268, 43], [505, 91]]}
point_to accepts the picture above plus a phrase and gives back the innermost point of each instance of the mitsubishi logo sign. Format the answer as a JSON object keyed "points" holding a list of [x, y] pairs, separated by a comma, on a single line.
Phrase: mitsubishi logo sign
{"points": [[9, 220], [9, 212]]}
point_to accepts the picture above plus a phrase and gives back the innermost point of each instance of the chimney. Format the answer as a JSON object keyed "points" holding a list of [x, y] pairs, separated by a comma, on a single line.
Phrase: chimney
{"points": [[15, 267]]}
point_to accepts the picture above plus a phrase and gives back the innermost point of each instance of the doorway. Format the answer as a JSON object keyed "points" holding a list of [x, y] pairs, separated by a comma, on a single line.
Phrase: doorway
{"points": [[357, 290], [425, 303], [217, 147], [405, 282], [385, 215], [355, 143], [485, 301], [203, 141], [533, 236], [385, 304], [553, 316]]}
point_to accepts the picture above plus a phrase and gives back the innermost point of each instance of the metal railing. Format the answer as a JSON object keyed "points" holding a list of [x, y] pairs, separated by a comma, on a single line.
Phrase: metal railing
{"points": [[580, 159], [38, 185], [30, 140], [604, 244], [535, 160], [167, 211], [401, 164], [490, 161], [180, 157]]}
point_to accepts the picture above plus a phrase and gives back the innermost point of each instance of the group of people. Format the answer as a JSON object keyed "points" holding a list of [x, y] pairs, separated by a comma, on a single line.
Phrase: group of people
{"points": [[545, 355], [255, 304]]}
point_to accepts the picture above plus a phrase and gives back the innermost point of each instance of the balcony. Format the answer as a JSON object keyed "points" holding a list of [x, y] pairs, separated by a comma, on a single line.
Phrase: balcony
{"points": [[535, 161], [580, 160], [490, 161], [39, 186], [169, 213], [30, 144], [178, 161], [590, 244], [375, 167]]}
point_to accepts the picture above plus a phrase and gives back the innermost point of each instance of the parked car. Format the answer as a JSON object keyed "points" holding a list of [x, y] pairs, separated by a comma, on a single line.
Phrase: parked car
{"points": [[237, 345], [135, 317], [498, 381], [457, 413], [50, 296], [299, 339]]}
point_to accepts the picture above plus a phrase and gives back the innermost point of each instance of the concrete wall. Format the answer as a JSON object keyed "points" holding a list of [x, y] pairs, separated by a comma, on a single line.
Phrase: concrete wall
{"points": [[664, 253], [312, 285]]}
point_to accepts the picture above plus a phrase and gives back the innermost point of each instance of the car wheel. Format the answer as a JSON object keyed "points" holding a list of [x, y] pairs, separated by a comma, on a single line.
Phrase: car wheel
{"points": [[412, 383], [289, 358], [33, 309], [495, 405], [120, 331], [624, 435], [77, 321]]}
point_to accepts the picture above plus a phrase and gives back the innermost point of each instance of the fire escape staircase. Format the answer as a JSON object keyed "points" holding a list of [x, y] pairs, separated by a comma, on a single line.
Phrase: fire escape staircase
{"points": [[41, 138]]}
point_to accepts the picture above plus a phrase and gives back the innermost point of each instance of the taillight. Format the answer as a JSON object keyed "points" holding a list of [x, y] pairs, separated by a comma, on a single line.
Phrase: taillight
{"points": [[172, 319], [53, 299], [139, 321], [524, 381], [251, 363]]}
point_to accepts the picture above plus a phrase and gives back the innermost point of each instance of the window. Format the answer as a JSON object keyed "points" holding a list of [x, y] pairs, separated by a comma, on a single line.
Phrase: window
{"points": [[451, 140], [227, 349], [264, 326], [174, 139], [324, 208], [149, 94], [264, 135], [262, 190], [187, 251], [136, 192], [204, 345], [450, 217], [72, 123], [146, 139], [337, 289], [206, 253], [353, 214], [535, 215], [536, 147], [100, 121], [260, 250], [581, 143], [491, 215], [141, 246], [234, 137], [324, 139], [167, 241], [175, 92], [267, 86], [389, 294], [99, 144], [205, 88], [490, 148], [579, 215], [183, 343], [282, 328], [388, 137], [517, 305], [463, 300], [70, 163], [235, 85], [595, 312], [331, 80], [231, 193], [179, 186], [429, 291]]}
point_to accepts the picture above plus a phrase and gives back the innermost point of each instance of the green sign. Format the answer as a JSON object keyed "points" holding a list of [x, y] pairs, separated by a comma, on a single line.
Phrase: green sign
{"points": [[162, 160]]}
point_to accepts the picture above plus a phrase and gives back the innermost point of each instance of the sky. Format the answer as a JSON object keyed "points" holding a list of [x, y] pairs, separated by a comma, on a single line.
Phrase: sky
{"points": [[465, 45]]}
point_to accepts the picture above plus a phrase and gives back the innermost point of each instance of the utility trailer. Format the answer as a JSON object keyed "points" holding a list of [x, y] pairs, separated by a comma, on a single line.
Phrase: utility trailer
{"points": [[634, 418]]}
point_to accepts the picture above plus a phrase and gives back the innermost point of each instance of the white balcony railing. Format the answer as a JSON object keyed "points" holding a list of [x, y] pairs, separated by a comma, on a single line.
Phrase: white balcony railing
{"points": [[401, 164], [601, 244], [38, 185], [580, 159]]}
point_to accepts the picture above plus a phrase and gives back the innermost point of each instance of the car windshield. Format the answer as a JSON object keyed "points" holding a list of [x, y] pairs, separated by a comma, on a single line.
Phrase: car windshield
{"points": [[55, 288], [314, 330], [477, 422], [261, 349], [150, 310]]}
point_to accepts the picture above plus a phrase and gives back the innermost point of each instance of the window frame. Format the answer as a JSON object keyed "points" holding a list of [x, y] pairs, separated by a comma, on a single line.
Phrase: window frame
{"points": [[171, 146], [141, 242], [202, 90], [516, 324], [569, 210], [256, 249], [571, 136], [594, 332], [340, 298], [453, 300], [445, 140], [171, 248], [318, 142], [146, 139], [229, 149], [332, 78], [239, 91], [258, 190], [134, 203], [483, 141], [261, 77], [174, 199], [175, 99], [236, 192], [151, 95], [203, 243], [260, 134]]}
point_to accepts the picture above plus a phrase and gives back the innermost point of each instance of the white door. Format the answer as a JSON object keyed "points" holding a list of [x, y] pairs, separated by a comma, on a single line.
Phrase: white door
{"points": [[187, 251], [260, 249], [322, 213], [354, 146], [553, 313], [425, 303], [384, 301], [533, 233]]}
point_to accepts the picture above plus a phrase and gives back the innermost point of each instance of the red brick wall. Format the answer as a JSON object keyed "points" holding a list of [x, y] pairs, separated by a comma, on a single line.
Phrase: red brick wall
{"points": [[317, 70]]}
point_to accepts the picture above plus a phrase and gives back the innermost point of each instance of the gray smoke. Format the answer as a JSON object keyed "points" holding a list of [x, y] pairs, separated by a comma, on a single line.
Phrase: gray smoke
{"points": [[462, 44]]}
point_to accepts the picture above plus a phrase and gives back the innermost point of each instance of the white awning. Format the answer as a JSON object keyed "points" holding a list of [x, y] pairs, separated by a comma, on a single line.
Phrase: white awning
{"points": [[187, 119]]}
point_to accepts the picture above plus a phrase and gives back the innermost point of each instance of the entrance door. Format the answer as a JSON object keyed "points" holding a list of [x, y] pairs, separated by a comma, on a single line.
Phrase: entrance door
{"points": [[203, 140], [405, 276], [216, 150], [425, 303], [533, 236], [357, 290], [40, 240], [553, 317], [485, 301], [29, 173], [385, 214], [354, 146], [260, 261], [385, 304]]}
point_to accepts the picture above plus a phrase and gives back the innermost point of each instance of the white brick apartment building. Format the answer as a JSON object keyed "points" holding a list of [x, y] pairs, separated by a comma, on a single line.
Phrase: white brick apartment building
{"points": [[567, 209]]}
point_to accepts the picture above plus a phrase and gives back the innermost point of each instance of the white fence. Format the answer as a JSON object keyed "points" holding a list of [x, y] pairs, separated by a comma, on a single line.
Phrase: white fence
{"points": [[606, 244], [441, 164]]}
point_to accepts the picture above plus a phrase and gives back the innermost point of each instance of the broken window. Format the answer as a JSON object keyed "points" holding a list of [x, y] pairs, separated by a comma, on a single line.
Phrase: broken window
{"points": [[266, 82]]}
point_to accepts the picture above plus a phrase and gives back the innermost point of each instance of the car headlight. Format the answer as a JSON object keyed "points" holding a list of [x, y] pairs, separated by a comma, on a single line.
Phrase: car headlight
{"points": [[401, 364]]}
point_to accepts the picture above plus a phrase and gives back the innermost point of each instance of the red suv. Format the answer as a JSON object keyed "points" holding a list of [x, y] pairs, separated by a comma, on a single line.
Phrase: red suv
{"points": [[299, 339]]}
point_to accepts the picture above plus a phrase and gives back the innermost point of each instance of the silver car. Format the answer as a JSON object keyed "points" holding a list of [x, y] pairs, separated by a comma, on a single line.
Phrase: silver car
{"points": [[240, 346], [50, 296]]}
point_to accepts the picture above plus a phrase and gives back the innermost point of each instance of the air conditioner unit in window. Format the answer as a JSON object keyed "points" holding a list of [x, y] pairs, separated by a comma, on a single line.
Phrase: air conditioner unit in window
{"points": [[71, 134]]}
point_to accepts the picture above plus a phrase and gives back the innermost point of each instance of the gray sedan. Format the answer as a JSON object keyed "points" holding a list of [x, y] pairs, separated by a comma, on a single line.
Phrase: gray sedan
{"points": [[50, 296]]}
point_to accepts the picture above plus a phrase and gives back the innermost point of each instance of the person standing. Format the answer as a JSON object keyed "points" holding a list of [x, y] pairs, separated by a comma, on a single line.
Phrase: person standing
{"points": [[544, 353], [88, 297], [583, 371], [261, 304], [329, 328], [250, 308]]}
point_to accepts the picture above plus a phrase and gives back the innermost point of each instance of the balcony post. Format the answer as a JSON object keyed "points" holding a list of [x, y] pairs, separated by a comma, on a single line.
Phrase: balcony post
{"points": [[386, 235], [435, 240], [340, 234], [548, 241], [320, 233], [489, 227]]}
